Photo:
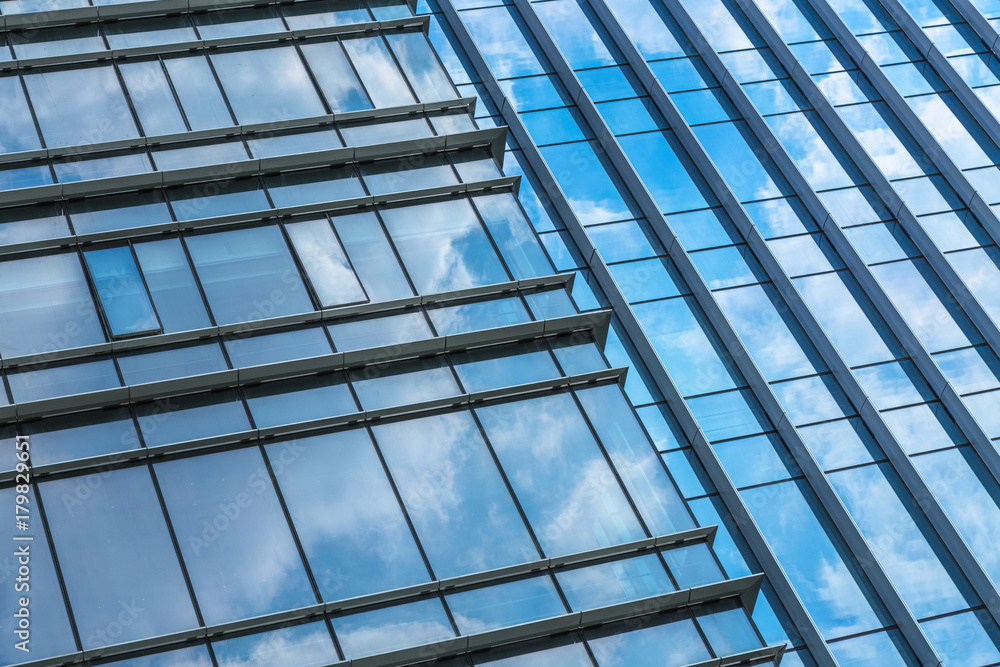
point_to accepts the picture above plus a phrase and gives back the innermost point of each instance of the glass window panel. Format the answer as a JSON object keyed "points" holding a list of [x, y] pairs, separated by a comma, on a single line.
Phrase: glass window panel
{"points": [[812, 399], [513, 235], [979, 269], [392, 628], [894, 384], [753, 65], [690, 351], [335, 77], [152, 98], [80, 435], [969, 495], [564, 652], [653, 30], [915, 78], [148, 32], [116, 557], [17, 129], [373, 256], [728, 267], [444, 246], [667, 172], [268, 84], [928, 195], [26, 177], [345, 513], [848, 87], [330, 273], [290, 143], [729, 630], [682, 74], [246, 350], [704, 229], [634, 458], [165, 364], [72, 169], [880, 649], [248, 274], [60, 41], [237, 22], [705, 106], [98, 111], [889, 48], [32, 223], [925, 303], [891, 147], [172, 286], [971, 369], [840, 443], [572, 29], [411, 173], [985, 408], [499, 33], [493, 367], [550, 303], [385, 330], [776, 97], [65, 379], [182, 418], [299, 399], [98, 214], [233, 535], [556, 126], [305, 645], [804, 254], [648, 279], [477, 315], [631, 116], [378, 71], [535, 92], [622, 241], [730, 414], [666, 639], [914, 558], [693, 565], [965, 639], [881, 242], [817, 153], [199, 155], [504, 605], [414, 54], [615, 582], [454, 494], [592, 190], [834, 593], [198, 92], [741, 161], [575, 505], [923, 428], [955, 129], [401, 383], [45, 305], [218, 198], [119, 285], [49, 632], [855, 206], [324, 13], [756, 460]]}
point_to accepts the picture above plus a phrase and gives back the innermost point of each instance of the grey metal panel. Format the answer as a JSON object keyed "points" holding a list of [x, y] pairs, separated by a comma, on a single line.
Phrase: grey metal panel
{"points": [[647, 353]]}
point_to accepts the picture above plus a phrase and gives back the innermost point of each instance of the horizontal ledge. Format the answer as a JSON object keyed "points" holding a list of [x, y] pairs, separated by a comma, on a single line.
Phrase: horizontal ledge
{"points": [[397, 24], [494, 137], [464, 643], [328, 363], [72, 15], [332, 206], [306, 122], [311, 427]]}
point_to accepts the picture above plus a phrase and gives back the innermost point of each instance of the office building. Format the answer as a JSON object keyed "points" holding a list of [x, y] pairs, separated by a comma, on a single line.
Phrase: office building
{"points": [[568, 332]]}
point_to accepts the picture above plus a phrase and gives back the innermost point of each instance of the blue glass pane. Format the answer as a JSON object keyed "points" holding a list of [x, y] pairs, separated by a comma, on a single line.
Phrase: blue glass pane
{"points": [[923, 428], [421, 66], [741, 161], [265, 85], [372, 256], [17, 130], [67, 379], [374, 63], [812, 399], [513, 235], [182, 418], [325, 262], [875, 650], [575, 505], [233, 535], [611, 583], [312, 186], [503, 42], [247, 350], [248, 274], [198, 92], [80, 435], [401, 383], [48, 632], [561, 652], [217, 198], [387, 331], [668, 639], [306, 645], [152, 98], [98, 214], [393, 628], [345, 513], [500, 606], [756, 460], [299, 399], [729, 415], [503, 366], [693, 565], [122, 292], [592, 191], [688, 348], [840, 443], [728, 630], [172, 285], [667, 172], [965, 639], [116, 556], [165, 364], [194, 656], [444, 246], [459, 505], [635, 460], [478, 315]]}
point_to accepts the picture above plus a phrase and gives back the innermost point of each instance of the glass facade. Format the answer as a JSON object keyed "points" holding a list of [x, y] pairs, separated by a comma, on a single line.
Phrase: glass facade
{"points": [[500, 332]]}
